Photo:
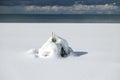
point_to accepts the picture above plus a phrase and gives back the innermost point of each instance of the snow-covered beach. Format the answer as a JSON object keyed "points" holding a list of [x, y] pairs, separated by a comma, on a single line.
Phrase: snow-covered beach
{"points": [[100, 42]]}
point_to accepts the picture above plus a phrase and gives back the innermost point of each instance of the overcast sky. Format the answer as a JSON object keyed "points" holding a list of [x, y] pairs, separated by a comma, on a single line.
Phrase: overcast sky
{"points": [[58, 6]]}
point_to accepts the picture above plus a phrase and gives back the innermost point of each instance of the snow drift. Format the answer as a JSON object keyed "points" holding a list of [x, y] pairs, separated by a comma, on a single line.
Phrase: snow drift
{"points": [[54, 47]]}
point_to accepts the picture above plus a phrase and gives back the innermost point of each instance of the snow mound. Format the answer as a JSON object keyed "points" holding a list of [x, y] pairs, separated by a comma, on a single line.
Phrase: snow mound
{"points": [[55, 47]]}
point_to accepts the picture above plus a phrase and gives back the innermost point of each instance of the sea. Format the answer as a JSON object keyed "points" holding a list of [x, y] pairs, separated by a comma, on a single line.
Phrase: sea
{"points": [[59, 18]]}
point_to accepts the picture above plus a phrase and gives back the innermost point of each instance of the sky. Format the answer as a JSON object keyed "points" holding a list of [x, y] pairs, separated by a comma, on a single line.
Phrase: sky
{"points": [[60, 6]]}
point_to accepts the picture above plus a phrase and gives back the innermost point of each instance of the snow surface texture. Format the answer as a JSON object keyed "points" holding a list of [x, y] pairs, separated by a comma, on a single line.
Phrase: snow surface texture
{"points": [[100, 41], [55, 47]]}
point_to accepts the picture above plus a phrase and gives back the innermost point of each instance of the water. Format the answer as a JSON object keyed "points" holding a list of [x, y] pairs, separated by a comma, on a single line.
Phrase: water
{"points": [[60, 18]]}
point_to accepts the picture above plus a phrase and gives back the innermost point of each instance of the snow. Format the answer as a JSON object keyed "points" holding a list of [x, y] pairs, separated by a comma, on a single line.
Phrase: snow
{"points": [[55, 47], [96, 52]]}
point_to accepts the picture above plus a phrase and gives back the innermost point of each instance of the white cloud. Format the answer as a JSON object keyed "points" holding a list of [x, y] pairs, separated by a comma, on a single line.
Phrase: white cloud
{"points": [[74, 8]]}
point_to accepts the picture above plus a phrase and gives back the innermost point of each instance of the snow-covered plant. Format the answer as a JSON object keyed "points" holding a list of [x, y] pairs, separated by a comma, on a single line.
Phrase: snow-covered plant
{"points": [[54, 47]]}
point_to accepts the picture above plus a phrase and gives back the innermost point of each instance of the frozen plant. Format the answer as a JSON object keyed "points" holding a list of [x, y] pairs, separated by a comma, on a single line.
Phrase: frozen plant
{"points": [[54, 47]]}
